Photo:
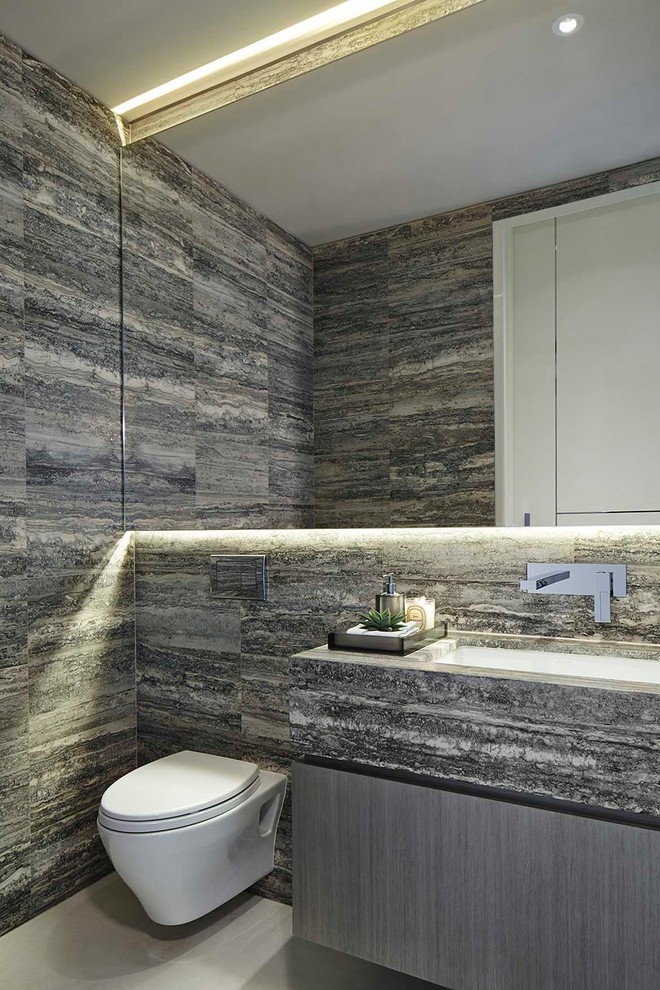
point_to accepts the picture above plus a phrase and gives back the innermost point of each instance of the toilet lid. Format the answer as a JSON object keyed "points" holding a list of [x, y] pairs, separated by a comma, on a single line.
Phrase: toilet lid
{"points": [[177, 785]]}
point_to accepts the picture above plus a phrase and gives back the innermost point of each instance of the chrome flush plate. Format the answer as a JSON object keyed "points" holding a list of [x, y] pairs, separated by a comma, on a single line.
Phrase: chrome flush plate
{"points": [[239, 576]]}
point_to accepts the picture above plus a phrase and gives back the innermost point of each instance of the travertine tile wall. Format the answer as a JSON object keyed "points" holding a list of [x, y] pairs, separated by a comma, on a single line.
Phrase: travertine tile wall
{"points": [[218, 366], [403, 367], [218, 362], [219, 352], [67, 669], [213, 675]]}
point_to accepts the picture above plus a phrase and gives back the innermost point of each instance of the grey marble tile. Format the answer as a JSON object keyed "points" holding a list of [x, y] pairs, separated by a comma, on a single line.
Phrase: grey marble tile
{"points": [[82, 662], [271, 634], [72, 396], [69, 772], [81, 652], [474, 576], [13, 622], [231, 392], [11, 101], [69, 535], [201, 688], [425, 492], [352, 422], [541, 199], [14, 705], [289, 326], [158, 301], [162, 731], [439, 228], [351, 348], [221, 308], [229, 237], [231, 471], [362, 248], [289, 277], [188, 648], [291, 516], [12, 260], [352, 275], [290, 426], [290, 479], [332, 514], [66, 644], [424, 291], [15, 875], [71, 164], [290, 376], [635, 175], [461, 293], [12, 386], [156, 207], [519, 735], [436, 248], [358, 488], [424, 421], [290, 397], [246, 310], [159, 383], [71, 259]]}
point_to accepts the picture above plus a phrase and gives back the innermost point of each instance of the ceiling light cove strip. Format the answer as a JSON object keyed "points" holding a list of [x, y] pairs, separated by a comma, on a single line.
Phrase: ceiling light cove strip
{"points": [[319, 41]]}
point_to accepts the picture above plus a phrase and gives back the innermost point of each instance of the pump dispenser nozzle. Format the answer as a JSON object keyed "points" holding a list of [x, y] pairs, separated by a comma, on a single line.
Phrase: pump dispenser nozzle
{"points": [[390, 598]]}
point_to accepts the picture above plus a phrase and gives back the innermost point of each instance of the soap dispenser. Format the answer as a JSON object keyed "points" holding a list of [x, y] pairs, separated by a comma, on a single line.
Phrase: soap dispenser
{"points": [[389, 597]]}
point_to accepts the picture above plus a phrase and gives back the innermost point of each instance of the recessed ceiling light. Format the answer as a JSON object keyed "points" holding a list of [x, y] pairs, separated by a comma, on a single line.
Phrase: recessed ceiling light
{"points": [[568, 24]]}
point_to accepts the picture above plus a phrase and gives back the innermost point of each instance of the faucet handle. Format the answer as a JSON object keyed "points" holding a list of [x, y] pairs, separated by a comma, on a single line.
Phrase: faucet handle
{"points": [[603, 596]]}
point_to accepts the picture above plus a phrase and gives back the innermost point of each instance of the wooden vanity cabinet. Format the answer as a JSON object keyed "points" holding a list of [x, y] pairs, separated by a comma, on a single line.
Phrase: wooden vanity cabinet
{"points": [[472, 893]]}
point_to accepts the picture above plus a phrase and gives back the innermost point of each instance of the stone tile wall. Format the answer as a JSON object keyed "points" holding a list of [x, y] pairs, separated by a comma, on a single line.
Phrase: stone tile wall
{"points": [[213, 675], [67, 669], [403, 365], [219, 350]]}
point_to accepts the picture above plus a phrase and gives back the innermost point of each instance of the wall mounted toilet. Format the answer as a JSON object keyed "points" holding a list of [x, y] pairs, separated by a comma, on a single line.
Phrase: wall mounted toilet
{"points": [[190, 831]]}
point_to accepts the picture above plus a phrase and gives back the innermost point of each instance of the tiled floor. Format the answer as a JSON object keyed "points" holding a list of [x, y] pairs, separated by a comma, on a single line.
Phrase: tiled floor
{"points": [[101, 938]]}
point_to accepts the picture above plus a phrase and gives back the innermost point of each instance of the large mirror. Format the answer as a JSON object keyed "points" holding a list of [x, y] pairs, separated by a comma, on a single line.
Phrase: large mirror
{"points": [[417, 286]]}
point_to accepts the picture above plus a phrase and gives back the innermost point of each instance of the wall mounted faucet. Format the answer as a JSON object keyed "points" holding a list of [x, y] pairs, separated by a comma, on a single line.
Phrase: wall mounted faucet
{"points": [[600, 581]]}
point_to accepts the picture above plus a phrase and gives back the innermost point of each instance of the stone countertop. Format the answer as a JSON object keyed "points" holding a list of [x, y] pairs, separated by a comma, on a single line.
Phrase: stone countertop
{"points": [[588, 741], [431, 657]]}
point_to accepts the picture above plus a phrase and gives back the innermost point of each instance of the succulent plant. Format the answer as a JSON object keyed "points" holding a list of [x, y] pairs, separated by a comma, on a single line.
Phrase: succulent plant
{"points": [[382, 621]]}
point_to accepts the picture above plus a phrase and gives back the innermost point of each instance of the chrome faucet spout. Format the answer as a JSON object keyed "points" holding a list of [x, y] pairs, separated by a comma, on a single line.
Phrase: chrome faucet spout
{"points": [[602, 582], [535, 584]]}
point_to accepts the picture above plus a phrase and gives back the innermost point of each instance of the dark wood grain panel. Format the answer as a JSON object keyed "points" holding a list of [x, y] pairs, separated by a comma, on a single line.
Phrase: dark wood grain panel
{"points": [[470, 893]]}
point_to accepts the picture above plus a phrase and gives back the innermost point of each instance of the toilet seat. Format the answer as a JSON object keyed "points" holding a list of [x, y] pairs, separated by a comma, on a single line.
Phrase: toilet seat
{"points": [[177, 791]]}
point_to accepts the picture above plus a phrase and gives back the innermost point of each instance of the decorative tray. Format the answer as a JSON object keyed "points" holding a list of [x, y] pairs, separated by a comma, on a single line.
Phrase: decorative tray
{"points": [[374, 643]]}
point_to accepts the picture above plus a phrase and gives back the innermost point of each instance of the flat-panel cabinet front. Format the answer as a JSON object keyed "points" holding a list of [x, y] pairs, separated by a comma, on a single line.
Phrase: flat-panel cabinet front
{"points": [[472, 893]]}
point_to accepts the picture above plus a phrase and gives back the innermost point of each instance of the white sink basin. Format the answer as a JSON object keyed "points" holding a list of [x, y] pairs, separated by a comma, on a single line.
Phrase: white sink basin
{"points": [[620, 669]]}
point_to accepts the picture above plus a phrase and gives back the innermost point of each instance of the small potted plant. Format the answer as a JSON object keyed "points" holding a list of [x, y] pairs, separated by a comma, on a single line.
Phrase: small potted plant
{"points": [[384, 621]]}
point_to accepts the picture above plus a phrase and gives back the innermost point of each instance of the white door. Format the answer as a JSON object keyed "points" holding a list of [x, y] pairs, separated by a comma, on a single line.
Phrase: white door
{"points": [[584, 367], [608, 359]]}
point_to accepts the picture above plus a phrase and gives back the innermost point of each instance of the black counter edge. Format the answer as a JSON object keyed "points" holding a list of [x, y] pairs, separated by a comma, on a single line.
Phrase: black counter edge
{"points": [[619, 817]]}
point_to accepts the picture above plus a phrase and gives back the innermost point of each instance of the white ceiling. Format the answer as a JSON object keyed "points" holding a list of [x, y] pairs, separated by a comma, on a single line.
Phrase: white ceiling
{"points": [[485, 103]]}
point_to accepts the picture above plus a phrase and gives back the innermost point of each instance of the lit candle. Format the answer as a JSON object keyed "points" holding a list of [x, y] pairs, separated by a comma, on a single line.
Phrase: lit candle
{"points": [[422, 611]]}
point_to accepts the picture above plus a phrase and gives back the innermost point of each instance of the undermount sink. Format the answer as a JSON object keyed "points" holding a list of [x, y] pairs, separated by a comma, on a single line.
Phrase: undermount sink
{"points": [[621, 670]]}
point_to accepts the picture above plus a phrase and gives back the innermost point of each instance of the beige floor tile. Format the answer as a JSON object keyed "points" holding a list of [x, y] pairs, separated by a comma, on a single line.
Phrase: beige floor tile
{"points": [[100, 939]]}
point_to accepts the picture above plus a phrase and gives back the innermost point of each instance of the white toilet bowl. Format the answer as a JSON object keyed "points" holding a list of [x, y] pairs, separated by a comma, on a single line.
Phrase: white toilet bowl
{"points": [[190, 831]]}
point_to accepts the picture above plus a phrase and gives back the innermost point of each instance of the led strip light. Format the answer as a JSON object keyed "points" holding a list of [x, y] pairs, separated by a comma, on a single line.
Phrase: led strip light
{"points": [[333, 34]]}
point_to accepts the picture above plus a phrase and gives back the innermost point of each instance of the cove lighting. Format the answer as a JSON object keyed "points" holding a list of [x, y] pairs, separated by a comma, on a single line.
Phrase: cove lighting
{"points": [[334, 17], [327, 37]]}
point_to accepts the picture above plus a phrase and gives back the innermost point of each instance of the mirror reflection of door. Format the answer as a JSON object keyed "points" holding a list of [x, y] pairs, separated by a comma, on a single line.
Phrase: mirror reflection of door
{"points": [[581, 379]]}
